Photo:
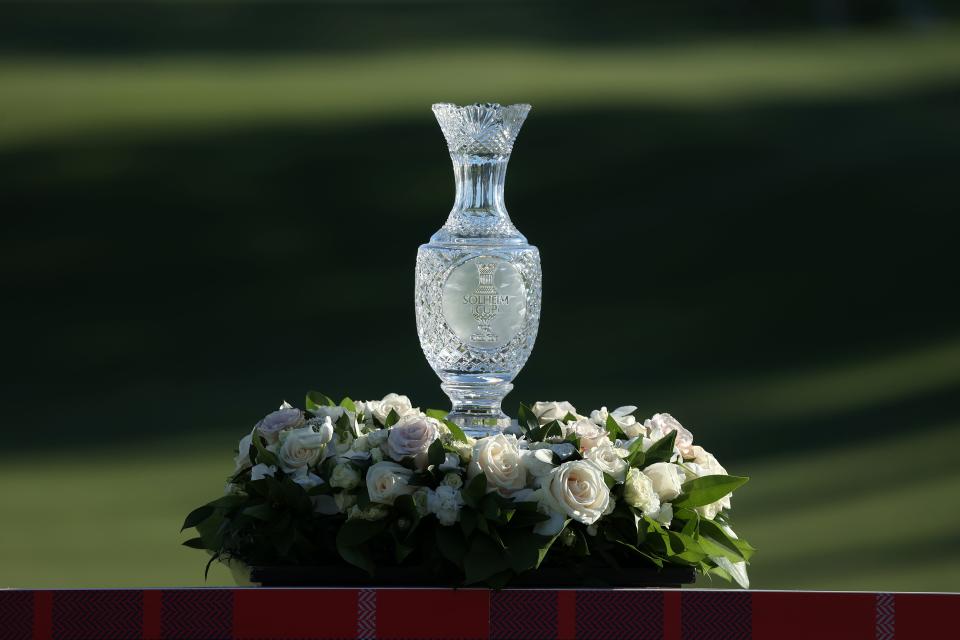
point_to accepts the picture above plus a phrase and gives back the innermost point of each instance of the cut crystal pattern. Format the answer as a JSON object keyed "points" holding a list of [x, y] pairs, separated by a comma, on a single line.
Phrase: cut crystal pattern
{"points": [[476, 360]]}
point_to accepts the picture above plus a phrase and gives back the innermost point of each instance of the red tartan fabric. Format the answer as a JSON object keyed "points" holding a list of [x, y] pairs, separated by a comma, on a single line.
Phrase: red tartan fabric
{"points": [[401, 614]]}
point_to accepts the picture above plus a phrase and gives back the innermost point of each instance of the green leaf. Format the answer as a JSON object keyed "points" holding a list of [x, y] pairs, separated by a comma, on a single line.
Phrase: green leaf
{"points": [[526, 550], [570, 418], [707, 490], [197, 516], [609, 480], [452, 544], [468, 521], [353, 533], [195, 543], [348, 404], [358, 556], [484, 559], [343, 425], [637, 457], [715, 533], [476, 488], [614, 430], [439, 414], [263, 456], [392, 418], [455, 431], [661, 450], [526, 419], [436, 453], [228, 502], [490, 506], [316, 400], [262, 511]]}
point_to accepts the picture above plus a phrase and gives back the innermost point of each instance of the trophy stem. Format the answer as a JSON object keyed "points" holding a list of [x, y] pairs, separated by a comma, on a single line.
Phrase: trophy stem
{"points": [[476, 405]]}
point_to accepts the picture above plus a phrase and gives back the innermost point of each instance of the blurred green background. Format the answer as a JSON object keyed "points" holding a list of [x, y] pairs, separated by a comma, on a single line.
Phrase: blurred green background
{"points": [[746, 213]]}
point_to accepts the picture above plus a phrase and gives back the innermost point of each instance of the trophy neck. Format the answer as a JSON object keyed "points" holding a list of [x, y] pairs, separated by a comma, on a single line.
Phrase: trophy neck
{"points": [[479, 214]]}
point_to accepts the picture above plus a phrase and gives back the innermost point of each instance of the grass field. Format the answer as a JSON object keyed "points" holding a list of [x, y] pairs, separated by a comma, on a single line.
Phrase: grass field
{"points": [[841, 410]]}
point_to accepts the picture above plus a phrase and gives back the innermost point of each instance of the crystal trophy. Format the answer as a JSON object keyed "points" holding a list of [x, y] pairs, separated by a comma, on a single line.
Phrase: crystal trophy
{"points": [[478, 281]]}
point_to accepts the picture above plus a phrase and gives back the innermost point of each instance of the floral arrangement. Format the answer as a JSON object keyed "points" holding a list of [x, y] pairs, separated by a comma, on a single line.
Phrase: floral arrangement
{"points": [[381, 483]]}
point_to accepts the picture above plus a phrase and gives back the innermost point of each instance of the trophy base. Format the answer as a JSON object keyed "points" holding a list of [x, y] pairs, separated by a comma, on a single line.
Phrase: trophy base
{"points": [[476, 405], [480, 425]]}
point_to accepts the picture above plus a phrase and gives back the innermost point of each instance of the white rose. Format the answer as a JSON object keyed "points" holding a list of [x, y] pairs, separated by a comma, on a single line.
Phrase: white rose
{"points": [[420, 500], [392, 402], [550, 411], [386, 481], [578, 490], [411, 438], [345, 476], [498, 458], [623, 416], [280, 420], [537, 462], [589, 433], [666, 478], [242, 458], [638, 492], [261, 471], [301, 448], [610, 460], [445, 503], [661, 424]]}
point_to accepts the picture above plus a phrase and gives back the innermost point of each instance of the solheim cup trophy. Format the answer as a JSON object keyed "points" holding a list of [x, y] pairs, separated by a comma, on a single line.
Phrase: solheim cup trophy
{"points": [[478, 281]]}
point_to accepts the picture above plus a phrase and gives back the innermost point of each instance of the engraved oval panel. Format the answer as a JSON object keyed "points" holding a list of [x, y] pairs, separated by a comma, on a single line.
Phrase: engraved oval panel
{"points": [[485, 302]]}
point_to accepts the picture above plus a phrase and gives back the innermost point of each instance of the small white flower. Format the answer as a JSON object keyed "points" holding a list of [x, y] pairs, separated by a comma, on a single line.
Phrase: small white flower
{"points": [[464, 449], [453, 480], [623, 416], [549, 411], [261, 471], [609, 459], [373, 512], [638, 492], [667, 480], [563, 450], [445, 503], [345, 476], [589, 433], [386, 481], [661, 424], [344, 501]]}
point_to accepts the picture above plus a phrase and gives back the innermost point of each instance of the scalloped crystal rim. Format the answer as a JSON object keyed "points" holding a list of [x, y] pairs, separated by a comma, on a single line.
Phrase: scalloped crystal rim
{"points": [[481, 128]]}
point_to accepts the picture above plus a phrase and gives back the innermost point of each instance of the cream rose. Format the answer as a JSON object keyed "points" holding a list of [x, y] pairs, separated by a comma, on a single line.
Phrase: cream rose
{"points": [[498, 458], [638, 493], [662, 424], [242, 459], [550, 411], [301, 448], [667, 480], [610, 460], [589, 433], [386, 481], [578, 490], [411, 438], [391, 402]]}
